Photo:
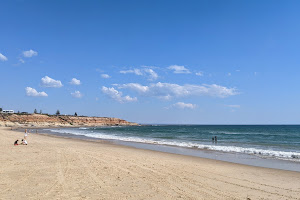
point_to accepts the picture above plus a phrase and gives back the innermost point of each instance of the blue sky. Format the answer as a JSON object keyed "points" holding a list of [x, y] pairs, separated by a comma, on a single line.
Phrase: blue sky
{"points": [[194, 62]]}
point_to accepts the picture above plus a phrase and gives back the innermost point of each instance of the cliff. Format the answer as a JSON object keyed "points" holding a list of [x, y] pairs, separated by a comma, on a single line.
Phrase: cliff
{"points": [[38, 120]]}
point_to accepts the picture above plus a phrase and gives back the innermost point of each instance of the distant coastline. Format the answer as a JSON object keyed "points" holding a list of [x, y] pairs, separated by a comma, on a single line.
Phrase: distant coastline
{"points": [[43, 120]]}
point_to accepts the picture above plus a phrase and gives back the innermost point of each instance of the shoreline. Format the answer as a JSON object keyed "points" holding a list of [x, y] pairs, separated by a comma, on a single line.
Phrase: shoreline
{"points": [[232, 157], [82, 169]]}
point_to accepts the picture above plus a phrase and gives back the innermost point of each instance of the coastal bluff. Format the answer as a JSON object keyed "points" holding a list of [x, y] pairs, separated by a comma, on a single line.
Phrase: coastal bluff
{"points": [[42, 120]]}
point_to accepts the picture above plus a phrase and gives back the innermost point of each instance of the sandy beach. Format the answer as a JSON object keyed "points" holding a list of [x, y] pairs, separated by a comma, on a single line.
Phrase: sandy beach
{"points": [[62, 168]]}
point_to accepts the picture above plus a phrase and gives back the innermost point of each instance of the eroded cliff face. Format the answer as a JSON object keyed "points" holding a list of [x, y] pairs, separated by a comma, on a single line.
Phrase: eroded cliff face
{"points": [[38, 120]]}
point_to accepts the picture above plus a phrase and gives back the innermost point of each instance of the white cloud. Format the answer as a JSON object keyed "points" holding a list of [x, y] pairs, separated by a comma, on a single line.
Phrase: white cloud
{"points": [[146, 71], [233, 106], [105, 76], [76, 94], [152, 74], [3, 57], [179, 69], [169, 90], [135, 87], [22, 61], [116, 95], [132, 71], [199, 74], [29, 53], [33, 93], [49, 82], [182, 105], [75, 81]]}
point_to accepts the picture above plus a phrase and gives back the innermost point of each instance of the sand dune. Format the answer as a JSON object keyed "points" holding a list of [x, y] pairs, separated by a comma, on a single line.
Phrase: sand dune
{"points": [[60, 168]]}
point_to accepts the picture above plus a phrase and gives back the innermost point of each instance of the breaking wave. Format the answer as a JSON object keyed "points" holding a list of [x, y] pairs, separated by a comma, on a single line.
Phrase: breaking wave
{"points": [[287, 155]]}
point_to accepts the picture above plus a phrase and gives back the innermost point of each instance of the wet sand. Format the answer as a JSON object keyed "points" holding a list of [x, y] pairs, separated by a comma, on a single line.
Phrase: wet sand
{"points": [[65, 168]]}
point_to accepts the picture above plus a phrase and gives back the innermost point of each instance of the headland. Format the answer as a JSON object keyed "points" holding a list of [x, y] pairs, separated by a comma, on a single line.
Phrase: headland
{"points": [[43, 120]]}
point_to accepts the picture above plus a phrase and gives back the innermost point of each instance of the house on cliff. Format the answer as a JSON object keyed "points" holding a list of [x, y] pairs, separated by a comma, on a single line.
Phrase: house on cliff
{"points": [[8, 111]]}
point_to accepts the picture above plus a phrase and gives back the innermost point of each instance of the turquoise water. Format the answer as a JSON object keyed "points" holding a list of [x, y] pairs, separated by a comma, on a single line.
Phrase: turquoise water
{"points": [[276, 141]]}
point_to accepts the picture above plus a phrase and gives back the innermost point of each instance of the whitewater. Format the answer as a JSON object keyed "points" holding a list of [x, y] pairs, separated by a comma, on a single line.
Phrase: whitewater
{"points": [[269, 141]]}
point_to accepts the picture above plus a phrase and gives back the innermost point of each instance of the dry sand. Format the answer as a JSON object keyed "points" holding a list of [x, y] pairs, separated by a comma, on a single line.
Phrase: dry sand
{"points": [[60, 168]]}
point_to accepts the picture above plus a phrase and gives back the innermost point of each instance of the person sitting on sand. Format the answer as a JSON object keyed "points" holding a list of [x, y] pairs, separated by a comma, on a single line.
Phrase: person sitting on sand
{"points": [[24, 142], [16, 142]]}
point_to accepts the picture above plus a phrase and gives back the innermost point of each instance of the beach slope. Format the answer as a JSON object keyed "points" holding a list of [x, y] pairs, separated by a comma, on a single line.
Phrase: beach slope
{"points": [[62, 168]]}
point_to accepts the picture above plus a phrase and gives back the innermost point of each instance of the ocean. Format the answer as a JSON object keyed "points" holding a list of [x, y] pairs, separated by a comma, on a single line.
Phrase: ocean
{"points": [[279, 142]]}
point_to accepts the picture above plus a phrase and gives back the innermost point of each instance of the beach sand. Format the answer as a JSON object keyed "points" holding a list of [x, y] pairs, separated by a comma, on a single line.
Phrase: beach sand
{"points": [[63, 168]]}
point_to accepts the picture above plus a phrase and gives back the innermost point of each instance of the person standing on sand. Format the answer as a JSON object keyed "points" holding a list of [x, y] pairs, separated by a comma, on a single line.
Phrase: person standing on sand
{"points": [[25, 134]]}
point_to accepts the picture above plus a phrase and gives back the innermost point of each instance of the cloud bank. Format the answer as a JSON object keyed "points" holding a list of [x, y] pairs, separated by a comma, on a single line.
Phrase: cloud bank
{"points": [[168, 90]]}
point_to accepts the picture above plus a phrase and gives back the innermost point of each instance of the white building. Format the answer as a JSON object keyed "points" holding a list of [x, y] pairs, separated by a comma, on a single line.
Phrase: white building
{"points": [[7, 111]]}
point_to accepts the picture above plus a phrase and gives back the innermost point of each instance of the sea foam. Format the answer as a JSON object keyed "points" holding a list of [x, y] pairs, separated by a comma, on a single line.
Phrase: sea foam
{"points": [[295, 156]]}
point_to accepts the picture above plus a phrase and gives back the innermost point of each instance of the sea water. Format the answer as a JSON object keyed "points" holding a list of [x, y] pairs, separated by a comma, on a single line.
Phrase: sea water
{"points": [[280, 142]]}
